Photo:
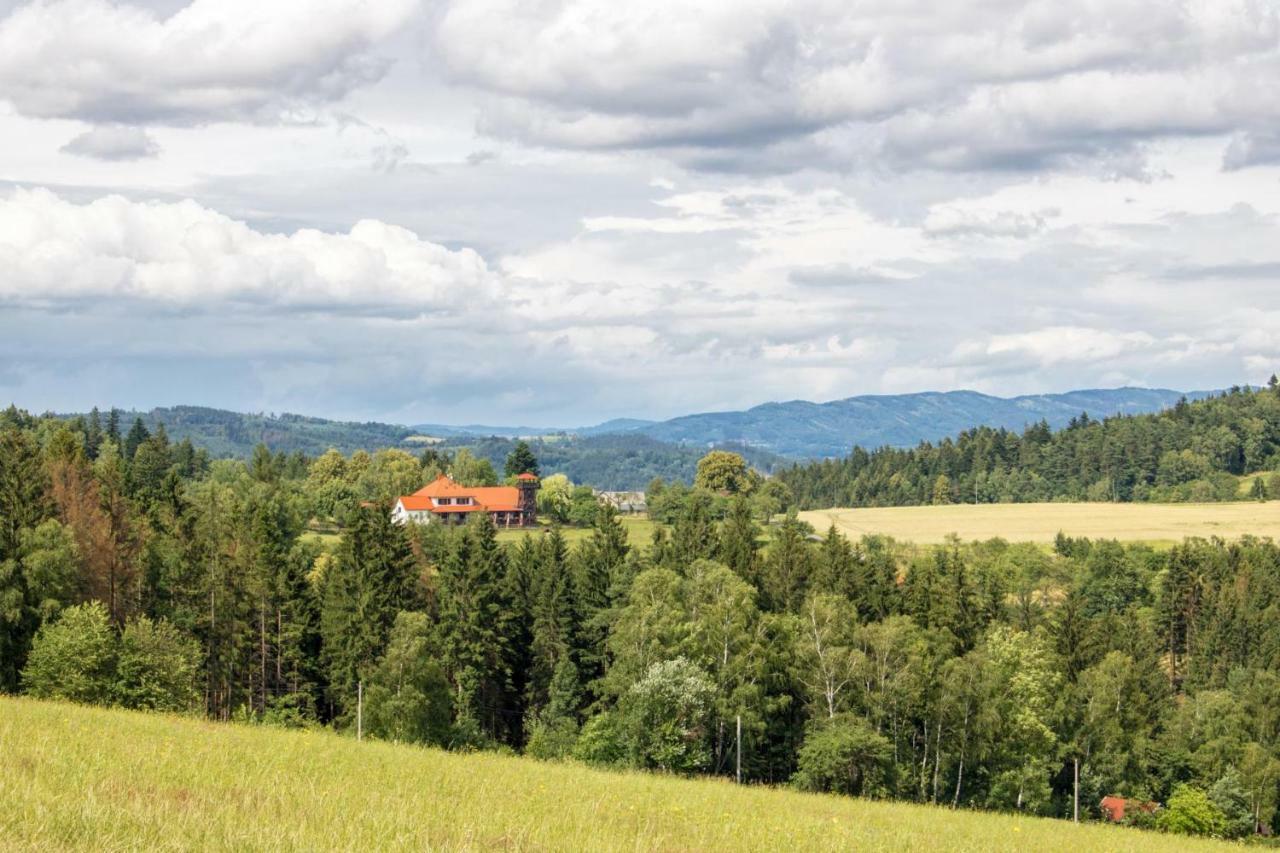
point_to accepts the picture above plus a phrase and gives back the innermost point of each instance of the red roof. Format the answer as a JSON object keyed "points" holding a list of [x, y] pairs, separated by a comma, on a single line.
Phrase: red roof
{"points": [[526, 476], [490, 498], [1113, 808]]}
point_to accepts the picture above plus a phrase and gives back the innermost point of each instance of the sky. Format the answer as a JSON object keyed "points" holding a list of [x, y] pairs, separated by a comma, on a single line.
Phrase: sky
{"points": [[555, 212]]}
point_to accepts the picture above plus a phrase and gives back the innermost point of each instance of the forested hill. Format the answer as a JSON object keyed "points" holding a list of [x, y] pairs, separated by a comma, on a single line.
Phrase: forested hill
{"points": [[234, 434], [796, 429], [1193, 451], [607, 461], [803, 430]]}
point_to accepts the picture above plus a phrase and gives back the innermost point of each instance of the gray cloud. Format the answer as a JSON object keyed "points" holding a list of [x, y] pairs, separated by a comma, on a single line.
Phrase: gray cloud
{"points": [[113, 142], [212, 60], [767, 86]]}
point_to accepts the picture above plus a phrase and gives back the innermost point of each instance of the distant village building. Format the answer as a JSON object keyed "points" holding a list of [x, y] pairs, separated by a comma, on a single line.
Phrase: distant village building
{"points": [[444, 501], [629, 502]]}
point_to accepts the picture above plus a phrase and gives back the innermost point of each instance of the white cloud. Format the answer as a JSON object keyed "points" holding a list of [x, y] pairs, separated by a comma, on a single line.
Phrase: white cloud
{"points": [[1057, 344], [182, 253], [214, 60]]}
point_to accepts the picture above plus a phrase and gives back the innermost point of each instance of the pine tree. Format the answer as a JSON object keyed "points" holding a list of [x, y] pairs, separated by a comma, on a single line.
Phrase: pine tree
{"points": [[555, 617], [521, 460], [473, 642], [739, 548], [23, 506], [693, 536], [137, 434], [372, 578], [835, 569], [787, 566], [599, 565], [93, 434]]}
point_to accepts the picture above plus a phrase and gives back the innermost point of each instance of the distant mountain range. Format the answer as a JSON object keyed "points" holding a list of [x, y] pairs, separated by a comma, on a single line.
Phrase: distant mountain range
{"points": [[800, 429], [796, 429]]}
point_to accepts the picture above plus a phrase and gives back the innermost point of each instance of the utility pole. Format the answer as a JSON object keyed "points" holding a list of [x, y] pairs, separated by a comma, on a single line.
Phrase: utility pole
{"points": [[359, 710], [738, 772], [1075, 765]]}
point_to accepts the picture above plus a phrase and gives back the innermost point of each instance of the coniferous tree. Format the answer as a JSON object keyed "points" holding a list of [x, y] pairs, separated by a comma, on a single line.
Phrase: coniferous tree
{"points": [[739, 548], [138, 433], [597, 580], [113, 425], [521, 460], [371, 579], [473, 639], [787, 566]]}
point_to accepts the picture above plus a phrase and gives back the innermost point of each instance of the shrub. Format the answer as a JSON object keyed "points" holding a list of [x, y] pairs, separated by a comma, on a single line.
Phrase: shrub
{"points": [[665, 715], [73, 658], [600, 741], [844, 755], [1191, 812], [156, 667]]}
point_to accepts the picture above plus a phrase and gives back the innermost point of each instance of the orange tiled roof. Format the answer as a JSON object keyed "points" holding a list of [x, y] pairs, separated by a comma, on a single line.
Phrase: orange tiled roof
{"points": [[491, 498]]}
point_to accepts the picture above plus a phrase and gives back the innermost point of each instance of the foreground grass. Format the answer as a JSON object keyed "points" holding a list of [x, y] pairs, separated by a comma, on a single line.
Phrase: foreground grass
{"points": [[88, 778], [1157, 524]]}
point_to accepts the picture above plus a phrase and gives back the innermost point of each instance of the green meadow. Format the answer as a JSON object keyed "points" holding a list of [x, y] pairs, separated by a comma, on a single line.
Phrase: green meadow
{"points": [[79, 778]]}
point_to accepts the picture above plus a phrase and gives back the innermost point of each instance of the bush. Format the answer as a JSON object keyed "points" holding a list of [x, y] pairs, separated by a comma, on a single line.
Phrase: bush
{"points": [[73, 658], [552, 740], [844, 755], [1191, 812], [156, 667], [79, 658], [600, 742], [665, 717]]}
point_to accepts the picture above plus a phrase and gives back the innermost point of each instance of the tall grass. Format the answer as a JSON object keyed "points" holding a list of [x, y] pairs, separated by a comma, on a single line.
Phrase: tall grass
{"points": [[94, 779]]}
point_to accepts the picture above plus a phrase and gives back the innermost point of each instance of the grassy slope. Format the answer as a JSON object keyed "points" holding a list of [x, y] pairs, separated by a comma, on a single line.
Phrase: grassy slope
{"points": [[1159, 524], [87, 778]]}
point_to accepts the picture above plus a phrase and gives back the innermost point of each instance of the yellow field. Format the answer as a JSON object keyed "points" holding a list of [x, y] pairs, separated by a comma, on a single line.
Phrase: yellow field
{"points": [[92, 779], [1153, 523]]}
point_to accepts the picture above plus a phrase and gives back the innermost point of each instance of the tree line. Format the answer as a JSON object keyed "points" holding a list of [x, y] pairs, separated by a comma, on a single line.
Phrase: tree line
{"points": [[1191, 452], [984, 675]]}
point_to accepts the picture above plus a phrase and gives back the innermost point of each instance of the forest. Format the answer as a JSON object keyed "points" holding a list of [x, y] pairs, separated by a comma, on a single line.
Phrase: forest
{"points": [[140, 573], [1194, 451]]}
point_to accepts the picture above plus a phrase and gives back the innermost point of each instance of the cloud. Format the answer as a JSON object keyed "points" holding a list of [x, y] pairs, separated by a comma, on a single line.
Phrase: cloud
{"points": [[183, 254], [948, 220], [1252, 148], [781, 86], [213, 60], [1057, 344], [113, 142]]}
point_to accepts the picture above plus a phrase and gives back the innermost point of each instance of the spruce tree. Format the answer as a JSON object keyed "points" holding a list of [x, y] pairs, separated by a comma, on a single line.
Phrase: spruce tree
{"points": [[371, 579], [598, 568], [555, 617], [521, 460], [137, 434], [739, 549], [472, 626]]}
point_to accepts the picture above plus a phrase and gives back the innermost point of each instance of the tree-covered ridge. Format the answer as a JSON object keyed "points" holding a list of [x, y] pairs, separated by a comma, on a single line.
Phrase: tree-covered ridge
{"points": [[136, 572], [619, 462], [1193, 451]]}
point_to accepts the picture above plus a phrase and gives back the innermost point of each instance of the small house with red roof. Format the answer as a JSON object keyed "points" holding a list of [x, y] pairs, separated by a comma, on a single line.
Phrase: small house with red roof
{"points": [[1115, 809], [445, 501]]}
